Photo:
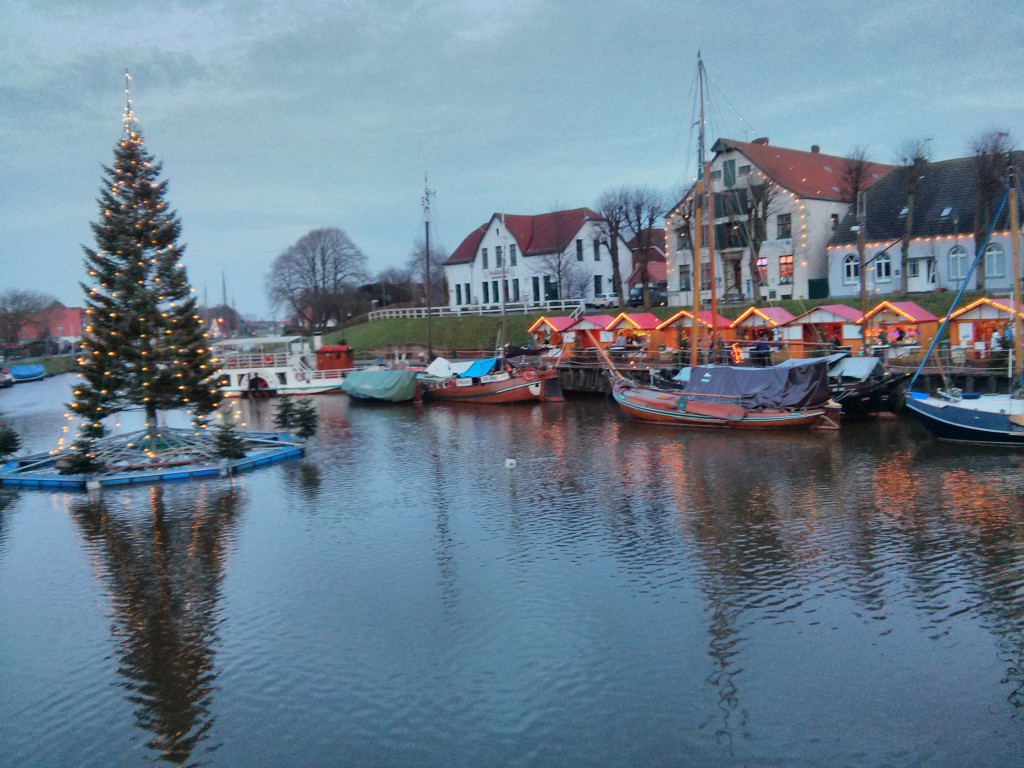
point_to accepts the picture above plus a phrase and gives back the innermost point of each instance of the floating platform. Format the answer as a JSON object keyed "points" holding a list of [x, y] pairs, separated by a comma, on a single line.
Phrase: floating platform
{"points": [[41, 470]]}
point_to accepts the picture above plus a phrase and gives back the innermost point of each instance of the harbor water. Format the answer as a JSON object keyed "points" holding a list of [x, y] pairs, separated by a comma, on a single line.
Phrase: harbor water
{"points": [[545, 585]]}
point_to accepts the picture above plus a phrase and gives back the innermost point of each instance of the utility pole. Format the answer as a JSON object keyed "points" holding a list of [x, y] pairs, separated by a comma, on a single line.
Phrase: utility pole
{"points": [[862, 270], [426, 258]]}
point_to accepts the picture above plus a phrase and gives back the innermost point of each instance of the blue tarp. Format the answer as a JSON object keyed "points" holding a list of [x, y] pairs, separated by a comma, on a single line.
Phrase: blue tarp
{"points": [[480, 368]]}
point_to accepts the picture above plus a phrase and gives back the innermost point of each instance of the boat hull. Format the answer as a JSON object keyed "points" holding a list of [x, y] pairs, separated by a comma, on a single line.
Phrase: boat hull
{"points": [[656, 406], [988, 420], [383, 386], [25, 373], [535, 386]]}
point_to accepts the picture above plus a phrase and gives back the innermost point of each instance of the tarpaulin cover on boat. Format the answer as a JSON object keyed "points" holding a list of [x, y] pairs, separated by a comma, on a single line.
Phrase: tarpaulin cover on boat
{"points": [[443, 368], [800, 384], [393, 386]]}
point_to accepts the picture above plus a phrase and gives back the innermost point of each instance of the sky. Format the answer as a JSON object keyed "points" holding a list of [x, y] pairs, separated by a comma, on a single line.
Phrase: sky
{"points": [[273, 119]]}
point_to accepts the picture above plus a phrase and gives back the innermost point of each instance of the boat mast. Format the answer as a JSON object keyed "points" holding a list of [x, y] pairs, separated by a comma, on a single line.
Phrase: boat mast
{"points": [[709, 206], [1015, 238], [426, 259], [696, 224]]}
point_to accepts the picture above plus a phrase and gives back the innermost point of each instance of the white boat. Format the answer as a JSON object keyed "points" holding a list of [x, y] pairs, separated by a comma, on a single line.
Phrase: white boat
{"points": [[280, 365]]}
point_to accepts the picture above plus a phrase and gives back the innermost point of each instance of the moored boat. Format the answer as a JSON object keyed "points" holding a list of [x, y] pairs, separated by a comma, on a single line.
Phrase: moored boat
{"points": [[996, 419], [280, 365], [792, 395], [489, 381], [27, 372], [382, 385], [863, 386]]}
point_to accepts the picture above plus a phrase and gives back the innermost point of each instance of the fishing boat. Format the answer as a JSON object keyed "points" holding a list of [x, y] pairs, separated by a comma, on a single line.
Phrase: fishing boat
{"points": [[280, 365], [491, 381], [792, 395], [25, 373], [380, 384], [863, 386], [950, 413]]}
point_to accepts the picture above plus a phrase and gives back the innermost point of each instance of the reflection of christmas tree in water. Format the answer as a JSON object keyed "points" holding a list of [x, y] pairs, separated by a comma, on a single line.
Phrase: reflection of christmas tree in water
{"points": [[164, 573], [144, 346]]}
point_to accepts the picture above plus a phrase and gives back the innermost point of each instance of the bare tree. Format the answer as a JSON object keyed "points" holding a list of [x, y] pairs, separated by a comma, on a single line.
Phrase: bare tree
{"points": [[416, 267], [315, 276], [612, 207], [990, 167], [762, 202], [912, 156], [855, 176], [16, 310], [645, 207]]}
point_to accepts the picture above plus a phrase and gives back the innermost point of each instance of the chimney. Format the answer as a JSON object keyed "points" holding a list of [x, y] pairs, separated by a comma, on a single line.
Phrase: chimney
{"points": [[762, 140], [815, 149]]}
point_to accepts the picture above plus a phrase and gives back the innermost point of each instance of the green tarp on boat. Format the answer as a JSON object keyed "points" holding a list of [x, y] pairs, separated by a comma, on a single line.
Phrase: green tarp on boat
{"points": [[393, 386]]}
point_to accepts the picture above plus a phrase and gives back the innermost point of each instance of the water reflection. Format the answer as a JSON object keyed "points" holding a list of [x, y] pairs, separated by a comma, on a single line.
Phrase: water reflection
{"points": [[163, 564]]}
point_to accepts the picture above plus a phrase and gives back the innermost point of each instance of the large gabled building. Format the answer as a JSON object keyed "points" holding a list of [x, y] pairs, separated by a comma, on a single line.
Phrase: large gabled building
{"points": [[563, 255], [808, 199], [942, 243]]}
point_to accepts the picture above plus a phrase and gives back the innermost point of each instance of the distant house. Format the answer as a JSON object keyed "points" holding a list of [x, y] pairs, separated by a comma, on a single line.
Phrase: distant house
{"points": [[942, 236], [533, 259], [56, 323], [649, 259], [808, 202]]}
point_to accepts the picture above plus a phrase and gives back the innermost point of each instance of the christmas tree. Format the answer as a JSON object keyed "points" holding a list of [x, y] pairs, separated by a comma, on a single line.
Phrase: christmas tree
{"points": [[145, 345]]}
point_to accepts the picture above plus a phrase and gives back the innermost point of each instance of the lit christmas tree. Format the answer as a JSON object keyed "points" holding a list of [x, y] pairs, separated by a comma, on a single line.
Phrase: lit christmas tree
{"points": [[145, 345]]}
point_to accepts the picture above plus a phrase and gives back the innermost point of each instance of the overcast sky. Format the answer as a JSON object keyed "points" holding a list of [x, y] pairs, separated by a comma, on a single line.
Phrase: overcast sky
{"points": [[275, 118]]}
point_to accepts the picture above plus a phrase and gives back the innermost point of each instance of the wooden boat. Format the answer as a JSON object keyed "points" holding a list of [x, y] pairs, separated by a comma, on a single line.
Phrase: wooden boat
{"points": [[280, 365], [379, 384], [969, 417], [793, 395], [25, 373], [862, 386], [489, 381]]}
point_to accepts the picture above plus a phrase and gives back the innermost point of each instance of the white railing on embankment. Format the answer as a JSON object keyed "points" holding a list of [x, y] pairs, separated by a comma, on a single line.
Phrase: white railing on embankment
{"points": [[567, 306]]}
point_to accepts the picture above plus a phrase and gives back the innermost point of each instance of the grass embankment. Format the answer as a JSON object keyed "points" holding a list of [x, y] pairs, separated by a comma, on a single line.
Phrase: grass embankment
{"points": [[481, 333]]}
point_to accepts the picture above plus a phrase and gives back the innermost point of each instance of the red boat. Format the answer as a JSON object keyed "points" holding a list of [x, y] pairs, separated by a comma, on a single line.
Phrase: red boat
{"points": [[490, 381], [794, 395]]}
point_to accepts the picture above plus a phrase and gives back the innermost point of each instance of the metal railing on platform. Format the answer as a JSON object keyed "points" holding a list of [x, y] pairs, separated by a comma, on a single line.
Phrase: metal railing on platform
{"points": [[568, 306]]}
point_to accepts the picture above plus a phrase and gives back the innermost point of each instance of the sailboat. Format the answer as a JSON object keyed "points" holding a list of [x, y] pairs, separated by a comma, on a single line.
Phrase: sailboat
{"points": [[792, 395], [996, 419]]}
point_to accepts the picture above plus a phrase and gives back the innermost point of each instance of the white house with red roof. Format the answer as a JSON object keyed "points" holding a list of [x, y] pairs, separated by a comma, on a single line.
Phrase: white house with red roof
{"points": [[531, 260], [809, 200]]}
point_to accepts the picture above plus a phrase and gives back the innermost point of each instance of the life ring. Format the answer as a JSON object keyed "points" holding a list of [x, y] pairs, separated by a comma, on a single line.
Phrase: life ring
{"points": [[300, 376], [268, 359], [530, 375]]}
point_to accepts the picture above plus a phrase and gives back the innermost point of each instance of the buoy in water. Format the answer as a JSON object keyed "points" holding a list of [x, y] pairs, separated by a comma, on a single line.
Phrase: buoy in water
{"points": [[510, 463]]}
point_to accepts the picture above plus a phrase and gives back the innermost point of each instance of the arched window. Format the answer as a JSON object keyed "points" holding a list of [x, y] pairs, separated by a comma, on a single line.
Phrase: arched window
{"points": [[883, 269], [995, 261], [851, 269], [957, 262]]}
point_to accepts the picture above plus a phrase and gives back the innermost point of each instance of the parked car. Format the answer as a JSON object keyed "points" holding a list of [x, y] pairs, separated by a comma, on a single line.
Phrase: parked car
{"points": [[658, 296], [603, 301]]}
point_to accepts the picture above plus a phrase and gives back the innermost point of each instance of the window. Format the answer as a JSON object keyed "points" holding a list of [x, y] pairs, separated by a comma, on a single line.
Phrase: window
{"points": [[783, 226], [729, 173], [883, 269], [744, 170], [903, 212], [458, 294], [945, 212], [786, 269], [536, 288], [597, 249], [835, 221], [487, 295], [682, 240], [504, 290], [512, 254], [705, 275], [469, 298], [716, 175], [483, 256], [597, 284], [579, 250], [957, 262], [995, 261], [851, 269], [762, 270], [931, 271], [684, 277], [494, 292], [516, 296], [550, 289], [498, 256], [914, 269]]}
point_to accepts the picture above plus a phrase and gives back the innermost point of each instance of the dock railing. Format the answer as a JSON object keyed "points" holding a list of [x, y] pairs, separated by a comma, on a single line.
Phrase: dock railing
{"points": [[567, 306]]}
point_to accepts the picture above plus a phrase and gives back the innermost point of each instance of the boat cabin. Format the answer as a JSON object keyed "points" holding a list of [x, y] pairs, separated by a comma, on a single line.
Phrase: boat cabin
{"points": [[335, 357], [825, 326], [894, 329], [971, 329]]}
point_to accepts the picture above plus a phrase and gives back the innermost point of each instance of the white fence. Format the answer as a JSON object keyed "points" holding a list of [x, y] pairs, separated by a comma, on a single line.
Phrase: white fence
{"points": [[568, 306]]}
